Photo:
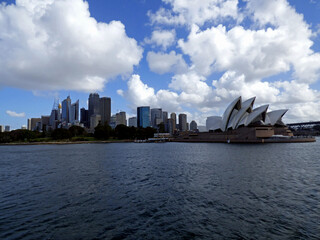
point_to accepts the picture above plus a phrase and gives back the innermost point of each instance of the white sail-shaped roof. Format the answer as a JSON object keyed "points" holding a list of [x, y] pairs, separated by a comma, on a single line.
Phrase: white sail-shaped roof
{"points": [[273, 117], [247, 106], [256, 113], [236, 104], [232, 117], [240, 114]]}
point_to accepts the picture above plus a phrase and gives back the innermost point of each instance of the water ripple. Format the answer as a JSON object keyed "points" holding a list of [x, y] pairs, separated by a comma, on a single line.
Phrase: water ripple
{"points": [[160, 191]]}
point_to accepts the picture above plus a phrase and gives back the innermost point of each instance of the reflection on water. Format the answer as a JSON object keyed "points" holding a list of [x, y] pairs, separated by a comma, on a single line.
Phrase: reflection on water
{"points": [[166, 191]]}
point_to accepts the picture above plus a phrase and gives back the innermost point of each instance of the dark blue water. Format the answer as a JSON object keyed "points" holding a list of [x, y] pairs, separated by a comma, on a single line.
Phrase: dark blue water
{"points": [[160, 191]]}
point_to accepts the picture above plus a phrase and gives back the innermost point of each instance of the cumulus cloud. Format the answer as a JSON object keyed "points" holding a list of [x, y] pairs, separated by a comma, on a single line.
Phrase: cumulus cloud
{"points": [[14, 114], [273, 40], [188, 12], [51, 45], [140, 94], [166, 62], [162, 38]]}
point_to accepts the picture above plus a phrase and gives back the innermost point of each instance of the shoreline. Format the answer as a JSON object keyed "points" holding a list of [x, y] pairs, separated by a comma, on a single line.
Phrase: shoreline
{"points": [[62, 142]]}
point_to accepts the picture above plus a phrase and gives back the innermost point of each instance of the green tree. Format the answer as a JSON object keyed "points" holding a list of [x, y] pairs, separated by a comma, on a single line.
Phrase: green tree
{"points": [[102, 132], [77, 131], [61, 133]]}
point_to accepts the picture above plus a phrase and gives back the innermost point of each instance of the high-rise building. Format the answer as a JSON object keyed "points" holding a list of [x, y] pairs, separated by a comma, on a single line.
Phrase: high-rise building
{"points": [[84, 117], [156, 117], [66, 110], [193, 126], [29, 124], [182, 122], [143, 116], [34, 124], [45, 122], [1, 128], [173, 116], [133, 122], [165, 121], [93, 102], [7, 128], [74, 113], [95, 119], [105, 109], [121, 118], [55, 118]]}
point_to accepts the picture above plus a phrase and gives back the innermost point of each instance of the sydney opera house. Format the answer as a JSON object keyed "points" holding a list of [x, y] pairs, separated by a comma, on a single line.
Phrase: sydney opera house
{"points": [[241, 122]]}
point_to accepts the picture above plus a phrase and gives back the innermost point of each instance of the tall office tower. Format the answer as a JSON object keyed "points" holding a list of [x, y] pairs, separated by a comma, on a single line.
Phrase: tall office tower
{"points": [[55, 116], [105, 109], [193, 126], [121, 118], [173, 116], [7, 128], [164, 117], [35, 124], [143, 116], [95, 119], [94, 101], [1, 128], [133, 122], [74, 113], [29, 124], [66, 109], [182, 122], [171, 125], [165, 121], [45, 122], [84, 117], [156, 117]]}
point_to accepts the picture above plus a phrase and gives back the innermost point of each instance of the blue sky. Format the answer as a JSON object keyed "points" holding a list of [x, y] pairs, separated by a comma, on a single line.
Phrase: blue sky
{"points": [[169, 54]]}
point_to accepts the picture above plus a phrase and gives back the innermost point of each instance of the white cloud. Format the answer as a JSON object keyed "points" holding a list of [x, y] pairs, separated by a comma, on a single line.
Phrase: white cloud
{"points": [[51, 45], [140, 94], [14, 114], [166, 62], [162, 38], [273, 40], [194, 12]]}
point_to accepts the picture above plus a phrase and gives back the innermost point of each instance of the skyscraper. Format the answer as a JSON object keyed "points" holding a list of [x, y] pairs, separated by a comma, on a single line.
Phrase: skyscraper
{"points": [[143, 116], [66, 109], [121, 118], [173, 116], [84, 117], [182, 122], [105, 109], [193, 126], [133, 122], [165, 121], [74, 113], [156, 117], [94, 101]]}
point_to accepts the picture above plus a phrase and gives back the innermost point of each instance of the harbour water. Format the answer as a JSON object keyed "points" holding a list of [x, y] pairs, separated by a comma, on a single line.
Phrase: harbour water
{"points": [[160, 191]]}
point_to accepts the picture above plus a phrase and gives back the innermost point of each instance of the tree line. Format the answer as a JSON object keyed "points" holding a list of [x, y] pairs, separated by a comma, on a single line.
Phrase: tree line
{"points": [[76, 133]]}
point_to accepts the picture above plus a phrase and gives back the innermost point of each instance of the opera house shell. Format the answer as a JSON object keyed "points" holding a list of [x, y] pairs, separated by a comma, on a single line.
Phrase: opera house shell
{"points": [[242, 123], [242, 114]]}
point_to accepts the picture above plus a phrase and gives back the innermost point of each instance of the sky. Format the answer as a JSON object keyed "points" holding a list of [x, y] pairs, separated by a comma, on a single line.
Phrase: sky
{"points": [[184, 56]]}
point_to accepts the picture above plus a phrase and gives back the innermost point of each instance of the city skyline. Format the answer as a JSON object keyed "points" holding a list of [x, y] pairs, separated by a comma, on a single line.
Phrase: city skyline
{"points": [[162, 54]]}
